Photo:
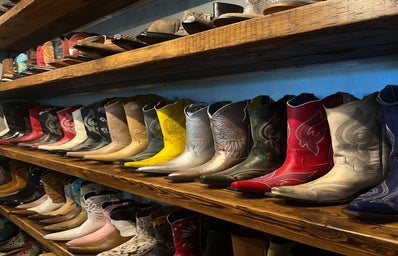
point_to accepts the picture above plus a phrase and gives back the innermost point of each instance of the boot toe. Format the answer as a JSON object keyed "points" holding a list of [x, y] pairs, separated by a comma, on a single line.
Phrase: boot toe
{"points": [[250, 186], [216, 180]]}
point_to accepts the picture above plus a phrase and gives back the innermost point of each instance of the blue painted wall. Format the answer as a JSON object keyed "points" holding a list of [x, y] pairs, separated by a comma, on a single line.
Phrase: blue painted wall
{"points": [[359, 77]]}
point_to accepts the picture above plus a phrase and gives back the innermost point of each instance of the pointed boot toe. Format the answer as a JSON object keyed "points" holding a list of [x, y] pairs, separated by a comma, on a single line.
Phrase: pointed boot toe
{"points": [[250, 187], [24, 212]]}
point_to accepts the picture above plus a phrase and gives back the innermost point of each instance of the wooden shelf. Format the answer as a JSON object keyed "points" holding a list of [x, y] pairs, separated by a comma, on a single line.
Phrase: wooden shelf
{"points": [[32, 22], [325, 227], [35, 231], [322, 32]]}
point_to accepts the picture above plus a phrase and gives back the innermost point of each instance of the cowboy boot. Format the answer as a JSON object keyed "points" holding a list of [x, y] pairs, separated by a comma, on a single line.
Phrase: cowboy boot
{"points": [[218, 239], [17, 183], [123, 220], [118, 130], [172, 123], [96, 126], [379, 202], [230, 126], [95, 217], [358, 163], [248, 242], [186, 227], [3, 122], [32, 191], [71, 208], [309, 151], [51, 127], [68, 130], [37, 130], [199, 146], [143, 243], [268, 130], [16, 114], [68, 206], [5, 175], [7, 229], [137, 130], [154, 133], [53, 186], [79, 137], [81, 188]]}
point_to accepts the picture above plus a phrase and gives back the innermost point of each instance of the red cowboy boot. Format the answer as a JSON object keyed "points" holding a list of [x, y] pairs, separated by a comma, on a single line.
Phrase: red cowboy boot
{"points": [[309, 151]]}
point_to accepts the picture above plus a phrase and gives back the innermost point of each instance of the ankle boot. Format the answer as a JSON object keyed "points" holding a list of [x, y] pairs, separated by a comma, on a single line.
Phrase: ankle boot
{"points": [[230, 126], [154, 134], [79, 130], [143, 243], [8, 69], [248, 242], [68, 130], [199, 146], [358, 163], [187, 227], [118, 130], [37, 130], [53, 186], [95, 217], [172, 123], [32, 191], [135, 123], [309, 151], [268, 129], [96, 126], [379, 202]]}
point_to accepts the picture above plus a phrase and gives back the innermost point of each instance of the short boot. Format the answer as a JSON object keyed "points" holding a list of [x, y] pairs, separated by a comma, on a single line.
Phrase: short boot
{"points": [[118, 130], [379, 202], [137, 130], [309, 150], [248, 242], [230, 127], [66, 121], [187, 227], [95, 217], [32, 191], [358, 164], [154, 134], [199, 146], [54, 188], [172, 123], [268, 130]]}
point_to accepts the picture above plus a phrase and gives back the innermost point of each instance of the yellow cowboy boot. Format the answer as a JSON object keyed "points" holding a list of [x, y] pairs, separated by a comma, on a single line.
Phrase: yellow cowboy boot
{"points": [[172, 124]]}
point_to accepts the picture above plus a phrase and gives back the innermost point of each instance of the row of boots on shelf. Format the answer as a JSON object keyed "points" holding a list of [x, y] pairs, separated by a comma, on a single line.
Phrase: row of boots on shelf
{"points": [[94, 219], [323, 151], [14, 241]]}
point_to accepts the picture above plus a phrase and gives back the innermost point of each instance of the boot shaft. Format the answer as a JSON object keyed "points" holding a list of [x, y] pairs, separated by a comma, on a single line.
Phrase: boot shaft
{"points": [[53, 184]]}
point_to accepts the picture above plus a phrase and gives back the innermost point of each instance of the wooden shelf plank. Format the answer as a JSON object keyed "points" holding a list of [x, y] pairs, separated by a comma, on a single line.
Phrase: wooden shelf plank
{"points": [[322, 32], [324, 227], [32, 22]]}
